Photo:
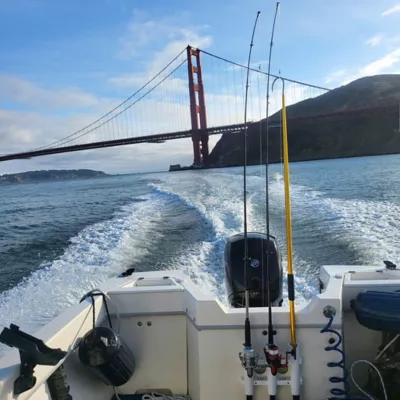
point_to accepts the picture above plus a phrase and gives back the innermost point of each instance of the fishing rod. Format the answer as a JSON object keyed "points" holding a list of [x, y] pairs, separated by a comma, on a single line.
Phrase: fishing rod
{"points": [[248, 357], [271, 350], [294, 351]]}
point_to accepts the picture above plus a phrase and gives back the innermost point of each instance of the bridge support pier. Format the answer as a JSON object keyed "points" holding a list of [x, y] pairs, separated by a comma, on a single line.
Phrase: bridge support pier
{"points": [[197, 108]]}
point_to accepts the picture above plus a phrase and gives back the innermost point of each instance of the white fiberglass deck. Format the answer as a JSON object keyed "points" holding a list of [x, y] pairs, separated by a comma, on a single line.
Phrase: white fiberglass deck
{"points": [[186, 341]]}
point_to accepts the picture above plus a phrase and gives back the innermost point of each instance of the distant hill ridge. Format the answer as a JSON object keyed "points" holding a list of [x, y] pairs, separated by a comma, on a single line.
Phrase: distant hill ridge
{"points": [[50, 175], [340, 137]]}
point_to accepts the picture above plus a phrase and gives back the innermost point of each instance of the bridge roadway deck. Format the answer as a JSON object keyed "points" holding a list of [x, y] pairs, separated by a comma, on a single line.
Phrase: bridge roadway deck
{"points": [[120, 142], [235, 128]]}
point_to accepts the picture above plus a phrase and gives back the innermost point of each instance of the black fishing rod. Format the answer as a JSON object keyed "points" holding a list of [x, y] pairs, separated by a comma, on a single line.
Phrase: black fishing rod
{"points": [[270, 326], [271, 350], [248, 356]]}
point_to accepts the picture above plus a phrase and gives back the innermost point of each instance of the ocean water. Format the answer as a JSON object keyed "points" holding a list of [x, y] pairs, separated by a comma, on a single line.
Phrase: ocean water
{"points": [[60, 239]]}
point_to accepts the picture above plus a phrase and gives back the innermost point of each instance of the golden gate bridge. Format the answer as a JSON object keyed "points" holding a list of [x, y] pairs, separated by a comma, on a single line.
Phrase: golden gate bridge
{"points": [[197, 94]]}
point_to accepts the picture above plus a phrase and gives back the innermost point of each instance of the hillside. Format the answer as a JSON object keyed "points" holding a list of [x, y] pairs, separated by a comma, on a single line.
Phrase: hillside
{"points": [[342, 136], [51, 175]]}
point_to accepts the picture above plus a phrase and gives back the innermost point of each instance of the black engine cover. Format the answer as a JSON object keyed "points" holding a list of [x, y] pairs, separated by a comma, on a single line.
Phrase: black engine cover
{"points": [[258, 244]]}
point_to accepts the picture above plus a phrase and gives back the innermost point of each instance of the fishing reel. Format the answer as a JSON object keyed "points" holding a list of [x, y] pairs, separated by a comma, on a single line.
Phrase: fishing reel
{"points": [[274, 368], [249, 360], [252, 362], [275, 360]]}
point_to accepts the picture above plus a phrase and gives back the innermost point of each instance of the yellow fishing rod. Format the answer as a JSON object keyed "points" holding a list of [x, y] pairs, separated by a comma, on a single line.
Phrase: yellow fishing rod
{"points": [[291, 296], [295, 381]]}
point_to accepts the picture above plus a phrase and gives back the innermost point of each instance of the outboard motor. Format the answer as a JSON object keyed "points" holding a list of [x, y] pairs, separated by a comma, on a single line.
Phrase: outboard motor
{"points": [[258, 243]]}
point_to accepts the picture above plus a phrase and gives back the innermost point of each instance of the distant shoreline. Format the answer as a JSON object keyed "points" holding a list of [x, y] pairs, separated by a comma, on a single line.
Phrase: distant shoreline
{"points": [[50, 176], [290, 161]]}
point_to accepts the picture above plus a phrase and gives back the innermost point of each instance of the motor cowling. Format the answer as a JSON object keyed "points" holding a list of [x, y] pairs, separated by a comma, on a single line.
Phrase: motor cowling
{"points": [[263, 253], [107, 355]]}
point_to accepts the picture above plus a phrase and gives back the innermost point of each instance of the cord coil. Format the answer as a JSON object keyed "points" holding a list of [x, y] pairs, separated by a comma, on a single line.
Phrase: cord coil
{"points": [[340, 364], [344, 393]]}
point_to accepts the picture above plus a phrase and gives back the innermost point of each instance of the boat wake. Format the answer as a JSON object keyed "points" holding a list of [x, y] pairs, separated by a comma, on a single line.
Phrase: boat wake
{"points": [[97, 253], [182, 225]]}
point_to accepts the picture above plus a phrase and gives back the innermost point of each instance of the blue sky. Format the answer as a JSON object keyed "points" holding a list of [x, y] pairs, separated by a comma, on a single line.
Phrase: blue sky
{"points": [[63, 64]]}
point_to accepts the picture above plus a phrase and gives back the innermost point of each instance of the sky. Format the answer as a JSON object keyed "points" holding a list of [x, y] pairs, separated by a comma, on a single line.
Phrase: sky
{"points": [[63, 64]]}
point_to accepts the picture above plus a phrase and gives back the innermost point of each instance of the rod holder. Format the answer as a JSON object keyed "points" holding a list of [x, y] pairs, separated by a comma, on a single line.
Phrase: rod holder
{"points": [[32, 352]]}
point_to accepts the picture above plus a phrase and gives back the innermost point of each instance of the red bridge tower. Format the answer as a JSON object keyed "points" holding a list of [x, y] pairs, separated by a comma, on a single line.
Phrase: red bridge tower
{"points": [[197, 107]]}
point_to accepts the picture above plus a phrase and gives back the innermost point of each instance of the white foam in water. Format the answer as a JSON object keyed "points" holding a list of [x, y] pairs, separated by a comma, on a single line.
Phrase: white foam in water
{"points": [[102, 250], [201, 261], [97, 253], [256, 222], [105, 249], [218, 197], [370, 227]]}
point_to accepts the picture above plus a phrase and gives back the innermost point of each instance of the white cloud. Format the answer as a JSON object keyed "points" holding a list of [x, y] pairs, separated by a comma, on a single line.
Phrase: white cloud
{"points": [[127, 80], [21, 130], [170, 85], [392, 10], [18, 128], [164, 110], [140, 32], [335, 76], [143, 33], [126, 159], [374, 40], [182, 37], [13, 88], [382, 64], [25, 130], [388, 63]]}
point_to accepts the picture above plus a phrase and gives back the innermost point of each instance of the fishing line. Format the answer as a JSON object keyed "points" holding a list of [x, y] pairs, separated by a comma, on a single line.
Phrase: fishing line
{"points": [[261, 180], [247, 298], [270, 326], [248, 356]]}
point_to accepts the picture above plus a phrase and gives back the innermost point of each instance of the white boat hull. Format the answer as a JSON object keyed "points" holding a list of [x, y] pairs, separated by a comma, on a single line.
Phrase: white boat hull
{"points": [[187, 341]]}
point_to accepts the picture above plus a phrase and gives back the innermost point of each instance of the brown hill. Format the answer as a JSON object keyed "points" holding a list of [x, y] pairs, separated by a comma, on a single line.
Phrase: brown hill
{"points": [[337, 136]]}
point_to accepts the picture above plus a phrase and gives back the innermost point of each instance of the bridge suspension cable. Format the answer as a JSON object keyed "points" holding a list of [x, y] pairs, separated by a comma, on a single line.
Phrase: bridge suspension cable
{"points": [[160, 109], [123, 110], [224, 88], [73, 136], [259, 71]]}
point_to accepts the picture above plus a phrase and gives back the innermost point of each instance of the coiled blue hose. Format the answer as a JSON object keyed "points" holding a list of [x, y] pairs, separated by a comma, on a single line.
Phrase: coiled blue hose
{"points": [[335, 392]]}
